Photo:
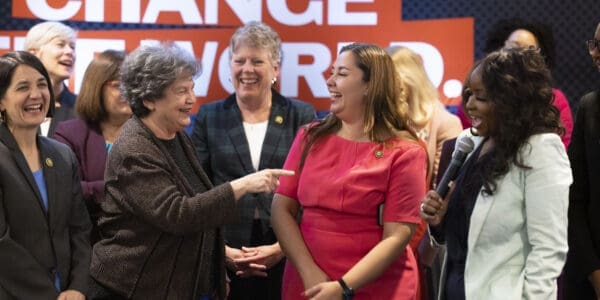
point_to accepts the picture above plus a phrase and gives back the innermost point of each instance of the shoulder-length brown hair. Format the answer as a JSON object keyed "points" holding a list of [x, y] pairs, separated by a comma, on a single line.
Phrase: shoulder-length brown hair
{"points": [[386, 108], [104, 68]]}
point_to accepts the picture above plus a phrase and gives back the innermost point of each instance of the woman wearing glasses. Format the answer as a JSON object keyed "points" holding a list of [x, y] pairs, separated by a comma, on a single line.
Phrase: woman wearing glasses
{"points": [[582, 272], [102, 112]]}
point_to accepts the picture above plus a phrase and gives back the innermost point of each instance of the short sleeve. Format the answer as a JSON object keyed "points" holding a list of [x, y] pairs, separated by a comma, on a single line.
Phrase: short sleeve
{"points": [[288, 185], [406, 187]]}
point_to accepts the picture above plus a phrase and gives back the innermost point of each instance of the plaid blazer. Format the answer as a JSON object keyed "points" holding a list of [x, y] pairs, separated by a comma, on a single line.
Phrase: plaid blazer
{"points": [[223, 151]]}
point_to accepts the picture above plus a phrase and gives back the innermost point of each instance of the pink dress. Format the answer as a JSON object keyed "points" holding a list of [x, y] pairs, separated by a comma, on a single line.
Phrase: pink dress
{"points": [[340, 188]]}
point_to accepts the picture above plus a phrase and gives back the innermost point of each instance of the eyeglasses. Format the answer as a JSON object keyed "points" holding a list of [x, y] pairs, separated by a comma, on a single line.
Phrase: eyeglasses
{"points": [[593, 44], [113, 84]]}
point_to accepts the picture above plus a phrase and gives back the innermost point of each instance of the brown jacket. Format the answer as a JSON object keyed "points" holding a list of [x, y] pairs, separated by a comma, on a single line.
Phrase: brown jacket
{"points": [[159, 239]]}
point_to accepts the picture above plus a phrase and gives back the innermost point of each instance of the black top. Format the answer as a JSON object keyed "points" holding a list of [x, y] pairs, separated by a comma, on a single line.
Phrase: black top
{"points": [[457, 221], [176, 151], [65, 111]]}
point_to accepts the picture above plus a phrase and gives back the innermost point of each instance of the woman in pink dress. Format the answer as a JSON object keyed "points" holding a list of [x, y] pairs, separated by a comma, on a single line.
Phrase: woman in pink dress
{"points": [[360, 176]]}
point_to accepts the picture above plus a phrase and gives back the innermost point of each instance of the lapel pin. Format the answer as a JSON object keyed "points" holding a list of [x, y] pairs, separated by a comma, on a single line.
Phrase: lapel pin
{"points": [[379, 154], [49, 162], [278, 119]]}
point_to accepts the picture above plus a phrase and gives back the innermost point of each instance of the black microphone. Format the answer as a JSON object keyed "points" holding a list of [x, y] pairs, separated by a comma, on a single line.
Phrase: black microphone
{"points": [[464, 146]]}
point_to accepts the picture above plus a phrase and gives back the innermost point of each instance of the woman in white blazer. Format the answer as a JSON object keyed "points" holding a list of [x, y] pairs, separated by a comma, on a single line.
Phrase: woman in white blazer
{"points": [[505, 220]]}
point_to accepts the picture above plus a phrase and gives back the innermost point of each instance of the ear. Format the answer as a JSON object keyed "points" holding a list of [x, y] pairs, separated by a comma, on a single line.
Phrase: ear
{"points": [[150, 105], [276, 69], [34, 51]]}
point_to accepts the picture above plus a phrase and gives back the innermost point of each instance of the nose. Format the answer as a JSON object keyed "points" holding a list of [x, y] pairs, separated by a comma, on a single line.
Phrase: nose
{"points": [[248, 66], [470, 105], [191, 99], [330, 81]]}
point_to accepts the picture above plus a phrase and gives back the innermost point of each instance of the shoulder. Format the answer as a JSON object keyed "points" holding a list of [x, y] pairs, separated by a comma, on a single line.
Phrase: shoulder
{"points": [[560, 100], [543, 147], [292, 103], [72, 127], [404, 146], [589, 100], [133, 139], [49, 145], [218, 105]]}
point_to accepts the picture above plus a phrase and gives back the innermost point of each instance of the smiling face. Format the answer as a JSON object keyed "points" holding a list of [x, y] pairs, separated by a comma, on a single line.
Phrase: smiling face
{"points": [[58, 57], [116, 107], [479, 108], [171, 113], [347, 88], [252, 72], [27, 99]]}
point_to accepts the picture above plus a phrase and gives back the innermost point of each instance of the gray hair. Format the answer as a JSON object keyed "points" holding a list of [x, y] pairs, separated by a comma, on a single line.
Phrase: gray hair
{"points": [[44, 32], [149, 70], [258, 35]]}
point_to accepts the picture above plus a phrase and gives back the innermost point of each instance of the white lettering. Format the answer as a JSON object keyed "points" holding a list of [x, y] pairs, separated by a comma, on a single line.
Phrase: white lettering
{"points": [[85, 51], [224, 71], [247, 10], [209, 53], [94, 11], [130, 11], [187, 9], [42, 10], [291, 70], [432, 59], [337, 14], [281, 13], [211, 12]]}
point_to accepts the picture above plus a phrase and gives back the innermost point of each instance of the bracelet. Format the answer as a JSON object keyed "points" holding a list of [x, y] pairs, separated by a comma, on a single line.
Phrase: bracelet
{"points": [[347, 292]]}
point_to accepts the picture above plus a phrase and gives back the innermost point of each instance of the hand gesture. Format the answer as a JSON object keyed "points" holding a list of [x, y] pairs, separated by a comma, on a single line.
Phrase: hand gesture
{"points": [[267, 255], [433, 208], [325, 291], [264, 181], [243, 269]]}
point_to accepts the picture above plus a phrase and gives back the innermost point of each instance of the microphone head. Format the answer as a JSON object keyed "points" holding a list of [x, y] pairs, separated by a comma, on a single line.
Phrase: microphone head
{"points": [[463, 147]]}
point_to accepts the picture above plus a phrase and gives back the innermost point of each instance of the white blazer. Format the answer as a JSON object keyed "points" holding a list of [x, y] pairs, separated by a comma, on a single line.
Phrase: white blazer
{"points": [[517, 242]]}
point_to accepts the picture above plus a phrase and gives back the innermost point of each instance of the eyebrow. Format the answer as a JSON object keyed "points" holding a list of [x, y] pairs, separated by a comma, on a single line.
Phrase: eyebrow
{"points": [[341, 68]]}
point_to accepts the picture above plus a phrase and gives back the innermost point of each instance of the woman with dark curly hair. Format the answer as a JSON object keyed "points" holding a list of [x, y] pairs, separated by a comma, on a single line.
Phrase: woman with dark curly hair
{"points": [[505, 222], [517, 33]]}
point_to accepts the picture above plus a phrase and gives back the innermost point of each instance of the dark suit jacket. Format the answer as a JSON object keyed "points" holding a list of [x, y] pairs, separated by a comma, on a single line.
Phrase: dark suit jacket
{"points": [[34, 242], [64, 112], [86, 140], [584, 205], [161, 240], [223, 150]]}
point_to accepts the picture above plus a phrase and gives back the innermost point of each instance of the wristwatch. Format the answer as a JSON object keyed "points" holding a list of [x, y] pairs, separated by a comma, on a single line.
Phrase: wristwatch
{"points": [[347, 292]]}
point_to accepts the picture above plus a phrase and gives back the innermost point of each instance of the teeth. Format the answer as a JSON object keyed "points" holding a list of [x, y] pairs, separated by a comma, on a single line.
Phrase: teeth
{"points": [[248, 81], [33, 107]]}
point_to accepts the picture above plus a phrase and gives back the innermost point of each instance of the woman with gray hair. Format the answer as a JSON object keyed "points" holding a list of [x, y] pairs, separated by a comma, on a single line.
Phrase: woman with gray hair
{"points": [[160, 226], [54, 44], [261, 125]]}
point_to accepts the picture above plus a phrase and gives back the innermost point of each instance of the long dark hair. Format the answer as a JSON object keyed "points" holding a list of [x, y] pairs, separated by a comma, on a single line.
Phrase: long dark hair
{"points": [[518, 83], [386, 108]]}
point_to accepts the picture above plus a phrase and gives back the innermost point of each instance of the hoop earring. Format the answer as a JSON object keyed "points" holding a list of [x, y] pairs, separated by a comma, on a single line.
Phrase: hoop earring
{"points": [[473, 131]]}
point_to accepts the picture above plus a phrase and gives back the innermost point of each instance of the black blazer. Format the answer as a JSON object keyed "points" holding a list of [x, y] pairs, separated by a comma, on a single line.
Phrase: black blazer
{"points": [[584, 204], [223, 151], [35, 243]]}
